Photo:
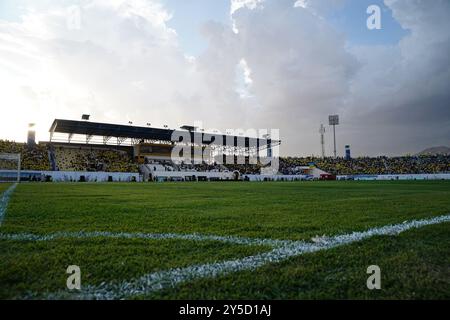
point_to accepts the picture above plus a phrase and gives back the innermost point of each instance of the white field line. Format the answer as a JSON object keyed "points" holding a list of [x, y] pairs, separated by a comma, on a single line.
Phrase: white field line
{"points": [[170, 278], [5, 200], [147, 236]]}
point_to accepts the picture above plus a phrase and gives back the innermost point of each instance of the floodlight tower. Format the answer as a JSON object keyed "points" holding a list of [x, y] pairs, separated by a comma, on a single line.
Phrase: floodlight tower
{"points": [[322, 139], [31, 138], [334, 121]]}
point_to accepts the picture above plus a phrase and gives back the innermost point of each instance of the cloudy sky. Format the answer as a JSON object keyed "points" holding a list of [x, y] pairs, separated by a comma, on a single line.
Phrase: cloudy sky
{"points": [[279, 64]]}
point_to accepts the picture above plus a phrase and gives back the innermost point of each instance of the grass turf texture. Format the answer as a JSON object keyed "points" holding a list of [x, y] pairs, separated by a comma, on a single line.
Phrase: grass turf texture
{"points": [[297, 210], [3, 187], [40, 267], [414, 265], [266, 210]]}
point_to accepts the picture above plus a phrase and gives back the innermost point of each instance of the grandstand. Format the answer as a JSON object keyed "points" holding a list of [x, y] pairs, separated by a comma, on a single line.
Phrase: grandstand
{"points": [[81, 146], [152, 150], [423, 164], [33, 157], [92, 158]]}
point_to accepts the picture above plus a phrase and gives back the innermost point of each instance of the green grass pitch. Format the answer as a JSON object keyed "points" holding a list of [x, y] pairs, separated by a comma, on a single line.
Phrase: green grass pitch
{"points": [[414, 264], [3, 187]]}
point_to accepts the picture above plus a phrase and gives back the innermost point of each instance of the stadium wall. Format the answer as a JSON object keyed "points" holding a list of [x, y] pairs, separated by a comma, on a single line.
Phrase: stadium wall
{"points": [[276, 177], [184, 175], [435, 176], [73, 176]]}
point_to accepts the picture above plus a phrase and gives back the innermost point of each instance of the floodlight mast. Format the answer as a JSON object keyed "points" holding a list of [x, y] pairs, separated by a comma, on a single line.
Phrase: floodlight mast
{"points": [[334, 121], [334, 137], [322, 139]]}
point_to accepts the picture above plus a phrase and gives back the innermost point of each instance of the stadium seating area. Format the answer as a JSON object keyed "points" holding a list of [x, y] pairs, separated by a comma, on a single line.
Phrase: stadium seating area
{"points": [[338, 166], [67, 158], [162, 165], [245, 168], [92, 159], [89, 158], [33, 158], [202, 167], [374, 165]]}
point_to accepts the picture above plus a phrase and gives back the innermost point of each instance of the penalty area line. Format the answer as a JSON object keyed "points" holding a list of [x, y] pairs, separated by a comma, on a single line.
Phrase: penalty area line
{"points": [[146, 236], [170, 278]]}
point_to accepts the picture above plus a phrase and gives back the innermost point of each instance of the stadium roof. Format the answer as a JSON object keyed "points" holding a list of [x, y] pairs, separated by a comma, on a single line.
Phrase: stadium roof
{"points": [[88, 128]]}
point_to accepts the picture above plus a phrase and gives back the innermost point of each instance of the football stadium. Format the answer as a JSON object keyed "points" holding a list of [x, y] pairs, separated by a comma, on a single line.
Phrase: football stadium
{"points": [[140, 223], [212, 158]]}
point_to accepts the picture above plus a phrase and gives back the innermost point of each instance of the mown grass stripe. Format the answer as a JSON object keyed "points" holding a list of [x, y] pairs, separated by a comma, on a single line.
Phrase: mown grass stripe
{"points": [[5, 200], [171, 278]]}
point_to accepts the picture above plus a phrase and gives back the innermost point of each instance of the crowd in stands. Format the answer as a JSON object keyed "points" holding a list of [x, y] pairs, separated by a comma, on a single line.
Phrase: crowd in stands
{"points": [[39, 157], [355, 166], [43, 157], [372, 165], [160, 165], [92, 159], [336, 166], [245, 168], [32, 157], [166, 165], [213, 167]]}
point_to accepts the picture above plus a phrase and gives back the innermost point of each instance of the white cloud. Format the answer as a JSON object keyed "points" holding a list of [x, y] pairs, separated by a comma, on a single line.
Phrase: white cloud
{"points": [[300, 69], [250, 4], [124, 63], [400, 94], [392, 99]]}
